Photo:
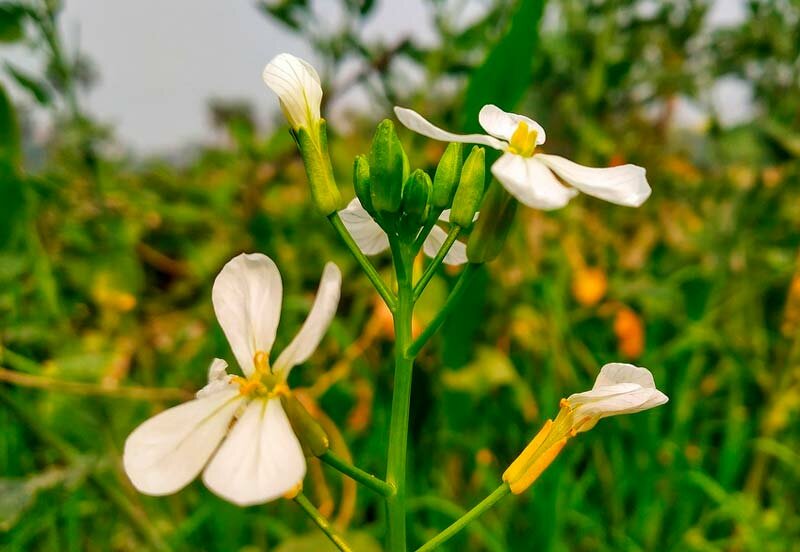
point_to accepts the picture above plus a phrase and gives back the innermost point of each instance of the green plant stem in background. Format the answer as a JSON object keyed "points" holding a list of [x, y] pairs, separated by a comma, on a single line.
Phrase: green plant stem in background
{"points": [[501, 492], [434, 265], [454, 511], [366, 265], [321, 522], [357, 474], [401, 398], [461, 286]]}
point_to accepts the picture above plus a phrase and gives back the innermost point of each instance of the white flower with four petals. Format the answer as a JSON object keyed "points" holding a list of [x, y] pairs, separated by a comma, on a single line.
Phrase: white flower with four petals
{"points": [[236, 431], [537, 179]]}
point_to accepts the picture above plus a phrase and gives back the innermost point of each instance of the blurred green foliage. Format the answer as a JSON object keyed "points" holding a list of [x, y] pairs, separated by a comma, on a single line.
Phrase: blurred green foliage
{"points": [[107, 262]]}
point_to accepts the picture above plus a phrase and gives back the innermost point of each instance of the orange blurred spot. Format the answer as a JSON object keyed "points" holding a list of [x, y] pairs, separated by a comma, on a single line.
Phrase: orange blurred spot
{"points": [[484, 457], [589, 285], [629, 329]]}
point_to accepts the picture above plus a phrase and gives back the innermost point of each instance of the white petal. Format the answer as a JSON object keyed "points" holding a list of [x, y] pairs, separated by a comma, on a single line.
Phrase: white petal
{"points": [[261, 459], [166, 452], [619, 372], [316, 324], [297, 85], [416, 122], [445, 216], [623, 185], [531, 182], [602, 393], [502, 124], [370, 238], [218, 379], [457, 254], [247, 298], [622, 403]]}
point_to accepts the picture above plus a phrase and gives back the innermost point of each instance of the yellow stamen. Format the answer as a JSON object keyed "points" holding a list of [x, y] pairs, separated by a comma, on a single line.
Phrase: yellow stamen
{"points": [[261, 362], [523, 141]]}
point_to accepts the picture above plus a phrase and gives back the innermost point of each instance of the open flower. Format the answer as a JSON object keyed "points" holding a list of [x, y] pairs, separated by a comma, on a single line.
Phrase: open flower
{"points": [[538, 180], [298, 88], [371, 239], [619, 389], [236, 429]]}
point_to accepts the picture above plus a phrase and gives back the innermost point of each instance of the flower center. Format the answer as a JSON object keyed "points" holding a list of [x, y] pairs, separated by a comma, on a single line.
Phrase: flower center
{"points": [[262, 382], [523, 141]]}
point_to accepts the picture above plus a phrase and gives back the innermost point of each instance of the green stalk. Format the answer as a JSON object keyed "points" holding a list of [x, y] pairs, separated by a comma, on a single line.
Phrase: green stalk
{"points": [[367, 479], [321, 522], [365, 263], [461, 286], [455, 230], [398, 428], [501, 492]]}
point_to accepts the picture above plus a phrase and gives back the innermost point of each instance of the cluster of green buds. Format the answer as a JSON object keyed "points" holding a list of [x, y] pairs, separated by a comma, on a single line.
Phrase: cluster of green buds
{"points": [[402, 200]]}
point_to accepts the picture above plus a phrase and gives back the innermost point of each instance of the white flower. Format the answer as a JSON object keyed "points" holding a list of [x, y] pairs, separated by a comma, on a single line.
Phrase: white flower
{"points": [[619, 389], [371, 239], [236, 428], [298, 88], [534, 178]]}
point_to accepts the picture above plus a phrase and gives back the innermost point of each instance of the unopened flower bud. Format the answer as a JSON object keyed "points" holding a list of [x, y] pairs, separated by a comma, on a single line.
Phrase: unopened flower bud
{"points": [[314, 150], [416, 195], [448, 173], [361, 183], [490, 232], [387, 166], [312, 437], [470, 189]]}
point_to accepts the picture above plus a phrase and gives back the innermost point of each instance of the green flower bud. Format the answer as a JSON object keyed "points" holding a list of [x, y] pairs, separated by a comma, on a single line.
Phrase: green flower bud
{"points": [[490, 232], [388, 169], [470, 188], [416, 195], [312, 437], [314, 151], [361, 182], [447, 175]]}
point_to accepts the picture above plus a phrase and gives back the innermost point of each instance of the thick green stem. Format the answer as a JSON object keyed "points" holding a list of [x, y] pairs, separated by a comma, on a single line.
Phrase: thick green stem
{"points": [[365, 263], [501, 492], [440, 255], [459, 289], [398, 429], [321, 522], [365, 478]]}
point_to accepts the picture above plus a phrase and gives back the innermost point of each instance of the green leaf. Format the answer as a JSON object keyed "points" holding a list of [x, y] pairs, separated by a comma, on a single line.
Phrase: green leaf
{"points": [[37, 88], [12, 19], [506, 73]]}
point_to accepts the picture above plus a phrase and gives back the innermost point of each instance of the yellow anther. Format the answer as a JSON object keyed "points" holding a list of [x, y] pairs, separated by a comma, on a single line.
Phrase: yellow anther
{"points": [[279, 390], [523, 141], [261, 362], [294, 491]]}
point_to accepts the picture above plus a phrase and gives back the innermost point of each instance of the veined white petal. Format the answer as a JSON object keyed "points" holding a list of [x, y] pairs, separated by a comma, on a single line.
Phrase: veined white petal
{"points": [[531, 182], [502, 124], [623, 403], [316, 324], [297, 85], [247, 298], [620, 372], [368, 235], [445, 216], [602, 393], [416, 122], [218, 378], [261, 459], [457, 254], [623, 185], [169, 450]]}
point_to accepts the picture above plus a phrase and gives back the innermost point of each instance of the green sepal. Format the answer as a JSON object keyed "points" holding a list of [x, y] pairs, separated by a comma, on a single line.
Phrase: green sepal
{"points": [[470, 189], [490, 232], [448, 173], [324, 192], [416, 196], [312, 437], [388, 168]]}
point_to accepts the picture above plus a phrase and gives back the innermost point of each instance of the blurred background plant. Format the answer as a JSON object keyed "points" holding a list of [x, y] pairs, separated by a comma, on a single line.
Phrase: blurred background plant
{"points": [[107, 262]]}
